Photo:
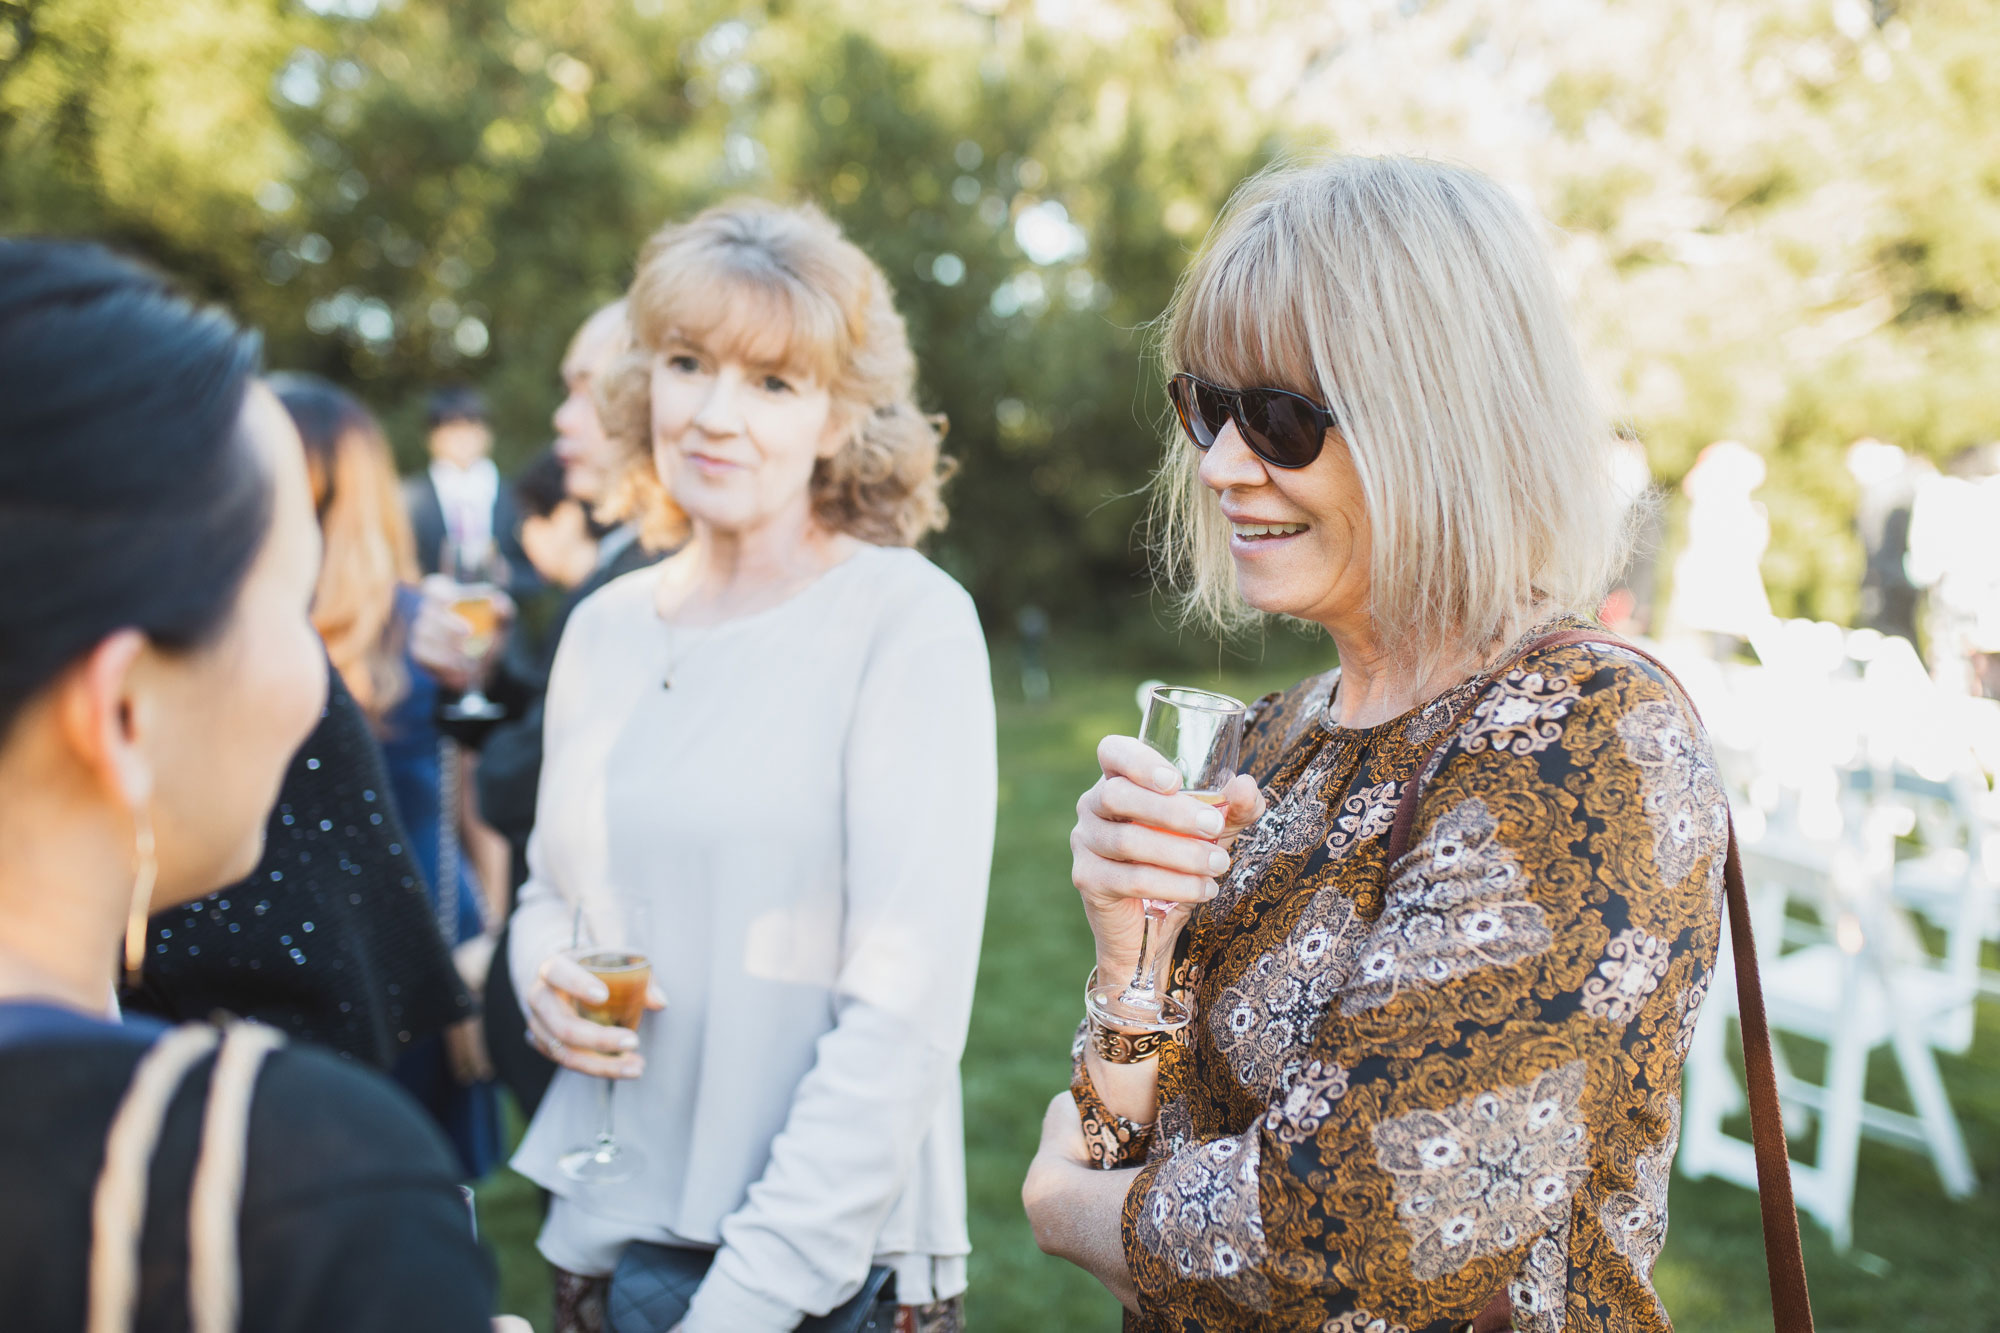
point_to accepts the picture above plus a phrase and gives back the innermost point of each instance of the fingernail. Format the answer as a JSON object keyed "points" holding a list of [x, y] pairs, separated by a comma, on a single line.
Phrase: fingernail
{"points": [[1218, 861], [1211, 821], [598, 994], [1166, 779], [628, 1041], [1209, 892]]}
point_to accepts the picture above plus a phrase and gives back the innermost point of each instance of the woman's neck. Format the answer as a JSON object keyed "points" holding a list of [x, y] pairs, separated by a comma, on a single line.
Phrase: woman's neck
{"points": [[59, 943], [722, 574], [1377, 684]]}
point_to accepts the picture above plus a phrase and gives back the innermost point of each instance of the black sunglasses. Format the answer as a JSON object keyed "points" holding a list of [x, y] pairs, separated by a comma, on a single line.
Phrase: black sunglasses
{"points": [[1283, 428]]}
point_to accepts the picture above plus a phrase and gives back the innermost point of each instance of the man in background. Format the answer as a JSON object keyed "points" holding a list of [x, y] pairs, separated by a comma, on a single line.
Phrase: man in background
{"points": [[458, 499]]}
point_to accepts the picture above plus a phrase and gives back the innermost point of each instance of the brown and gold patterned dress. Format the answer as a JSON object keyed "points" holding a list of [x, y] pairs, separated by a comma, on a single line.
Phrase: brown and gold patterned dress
{"points": [[1408, 1088]]}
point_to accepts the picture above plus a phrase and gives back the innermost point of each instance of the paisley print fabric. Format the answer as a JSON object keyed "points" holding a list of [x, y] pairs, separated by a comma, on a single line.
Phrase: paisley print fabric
{"points": [[1631, 970], [1203, 1216], [1264, 1022], [1457, 906], [1409, 1088], [1485, 1175], [1521, 713]]}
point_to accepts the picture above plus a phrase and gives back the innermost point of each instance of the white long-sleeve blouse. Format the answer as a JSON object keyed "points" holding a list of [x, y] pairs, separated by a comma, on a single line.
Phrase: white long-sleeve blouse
{"points": [[809, 810]]}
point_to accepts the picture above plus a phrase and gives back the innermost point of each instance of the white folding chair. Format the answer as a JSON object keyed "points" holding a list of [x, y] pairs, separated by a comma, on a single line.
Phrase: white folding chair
{"points": [[1854, 992]]}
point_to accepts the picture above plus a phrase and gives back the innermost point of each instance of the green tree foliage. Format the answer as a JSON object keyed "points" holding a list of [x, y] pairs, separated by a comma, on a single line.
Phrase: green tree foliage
{"points": [[1780, 225], [411, 193]]}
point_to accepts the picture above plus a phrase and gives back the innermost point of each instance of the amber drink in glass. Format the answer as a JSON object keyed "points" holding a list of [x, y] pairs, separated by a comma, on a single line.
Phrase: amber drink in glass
{"points": [[626, 972]]}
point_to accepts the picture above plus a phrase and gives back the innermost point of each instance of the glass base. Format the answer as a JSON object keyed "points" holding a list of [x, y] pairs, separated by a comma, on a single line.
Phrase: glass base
{"points": [[1124, 1009], [472, 708], [602, 1163]]}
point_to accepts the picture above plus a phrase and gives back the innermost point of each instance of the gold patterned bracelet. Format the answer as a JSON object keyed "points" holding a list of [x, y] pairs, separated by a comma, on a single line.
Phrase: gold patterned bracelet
{"points": [[1125, 1048], [1121, 1048]]}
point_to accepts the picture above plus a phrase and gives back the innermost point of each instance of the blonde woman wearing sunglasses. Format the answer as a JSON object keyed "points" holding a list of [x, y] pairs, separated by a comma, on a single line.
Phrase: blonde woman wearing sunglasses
{"points": [[1441, 1087]]}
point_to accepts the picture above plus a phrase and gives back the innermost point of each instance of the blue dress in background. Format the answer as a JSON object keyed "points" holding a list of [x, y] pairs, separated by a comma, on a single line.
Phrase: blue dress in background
{"points": [[469, 1115]]}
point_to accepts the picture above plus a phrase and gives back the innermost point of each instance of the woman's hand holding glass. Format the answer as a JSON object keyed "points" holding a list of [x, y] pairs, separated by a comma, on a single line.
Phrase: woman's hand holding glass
{"points": [[1139, 836], [561, 985]]}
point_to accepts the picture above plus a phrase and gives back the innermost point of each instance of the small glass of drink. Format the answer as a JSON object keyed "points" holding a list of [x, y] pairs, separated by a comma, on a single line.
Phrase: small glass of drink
{"points": [[479, 573], [1200, 733], [626, 971]]}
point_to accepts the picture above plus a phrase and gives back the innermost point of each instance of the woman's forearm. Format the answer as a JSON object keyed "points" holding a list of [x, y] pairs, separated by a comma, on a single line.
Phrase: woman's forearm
{"points": [[1078, 1215]]}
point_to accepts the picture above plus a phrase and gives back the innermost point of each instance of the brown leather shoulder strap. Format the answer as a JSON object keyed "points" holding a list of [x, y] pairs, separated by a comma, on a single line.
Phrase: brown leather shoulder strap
{"points": [[1791, 1304]]}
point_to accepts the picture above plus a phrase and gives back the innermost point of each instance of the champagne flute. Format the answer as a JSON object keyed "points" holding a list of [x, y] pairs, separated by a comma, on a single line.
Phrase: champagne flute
{"points": [[1200, 733], [479, 573], [618, 958]]}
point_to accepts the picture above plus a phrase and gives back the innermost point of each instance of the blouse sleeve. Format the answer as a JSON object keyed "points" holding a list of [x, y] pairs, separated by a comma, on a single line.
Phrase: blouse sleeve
{"points": [[1491, 1098], [544, 919], [921, 785]]}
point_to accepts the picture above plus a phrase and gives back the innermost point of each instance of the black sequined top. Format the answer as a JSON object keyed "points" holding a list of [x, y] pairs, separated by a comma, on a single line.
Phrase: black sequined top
{"points": [[332, 937]]}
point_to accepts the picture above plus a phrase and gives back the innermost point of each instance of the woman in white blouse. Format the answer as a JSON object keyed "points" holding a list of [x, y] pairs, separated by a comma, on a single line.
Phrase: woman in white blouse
{"points": [[781, 738]]}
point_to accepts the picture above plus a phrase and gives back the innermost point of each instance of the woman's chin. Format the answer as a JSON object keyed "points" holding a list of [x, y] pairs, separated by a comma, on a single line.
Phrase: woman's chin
{"points": [[1264, 598], [212, 878]]}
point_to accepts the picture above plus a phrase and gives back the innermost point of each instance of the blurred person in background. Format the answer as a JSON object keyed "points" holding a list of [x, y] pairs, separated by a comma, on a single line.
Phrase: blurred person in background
{"points": [[158, 667], [780, 740], [1953, 521], [1412, 1090], [1888, 479], [458, 502], [1717, 599], [362, 609], [557, 534], [595, 477]]}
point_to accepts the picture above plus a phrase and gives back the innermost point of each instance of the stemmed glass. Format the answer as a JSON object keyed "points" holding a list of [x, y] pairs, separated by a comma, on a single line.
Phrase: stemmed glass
{"points": [[1200, 733], [618, 958], [478, 573]]}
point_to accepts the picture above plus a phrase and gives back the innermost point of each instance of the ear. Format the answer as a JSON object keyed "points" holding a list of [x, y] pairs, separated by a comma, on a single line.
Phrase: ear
{"points": [[103, 717]]}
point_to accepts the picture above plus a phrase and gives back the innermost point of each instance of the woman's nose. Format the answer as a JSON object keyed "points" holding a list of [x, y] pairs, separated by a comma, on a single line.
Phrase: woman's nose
{"points": [[1230, 463], [720, 412]]}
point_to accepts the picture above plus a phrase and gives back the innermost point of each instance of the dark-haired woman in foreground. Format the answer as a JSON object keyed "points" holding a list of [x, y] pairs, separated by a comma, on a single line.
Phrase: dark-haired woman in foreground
{"points": [[157, 668]]}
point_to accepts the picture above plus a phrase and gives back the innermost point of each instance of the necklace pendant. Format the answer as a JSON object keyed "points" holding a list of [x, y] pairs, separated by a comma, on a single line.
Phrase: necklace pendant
{"points": [[667, 683]]}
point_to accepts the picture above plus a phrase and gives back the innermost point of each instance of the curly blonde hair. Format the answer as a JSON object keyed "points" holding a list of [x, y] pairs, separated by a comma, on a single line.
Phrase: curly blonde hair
{"points": [[782, 286]]}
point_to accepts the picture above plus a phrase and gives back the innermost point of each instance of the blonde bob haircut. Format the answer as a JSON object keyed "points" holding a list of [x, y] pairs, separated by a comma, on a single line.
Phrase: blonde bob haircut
{"points": [[782, 288], [1416, 301]]}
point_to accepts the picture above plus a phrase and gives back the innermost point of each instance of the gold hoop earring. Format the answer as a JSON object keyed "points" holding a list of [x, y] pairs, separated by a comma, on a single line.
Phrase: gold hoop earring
{"points": [[143, 879]]}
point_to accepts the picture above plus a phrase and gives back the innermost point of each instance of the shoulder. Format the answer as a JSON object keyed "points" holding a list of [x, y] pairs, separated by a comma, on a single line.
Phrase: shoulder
{"points": [[1602, 710], [1572, 691], [318, 1121], [625, 600], [908, 593], [346, 1175]]}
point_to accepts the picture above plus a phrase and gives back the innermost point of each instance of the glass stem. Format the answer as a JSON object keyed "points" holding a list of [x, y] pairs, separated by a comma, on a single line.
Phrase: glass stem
{"points": [[1142, 987], [604, 1106]]}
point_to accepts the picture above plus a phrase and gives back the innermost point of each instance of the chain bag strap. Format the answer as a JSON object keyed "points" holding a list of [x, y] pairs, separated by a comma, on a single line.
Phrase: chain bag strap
{"points": [[1791, 1307]]}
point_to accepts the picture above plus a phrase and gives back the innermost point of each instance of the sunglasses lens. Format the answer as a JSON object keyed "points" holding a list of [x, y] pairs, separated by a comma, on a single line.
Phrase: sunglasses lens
{"points": [[1280, 428], [1202, 412]]}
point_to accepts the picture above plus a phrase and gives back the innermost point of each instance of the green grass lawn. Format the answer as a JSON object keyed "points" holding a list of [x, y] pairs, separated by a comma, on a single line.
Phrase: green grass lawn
{"points": [[1921, 1261]]}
